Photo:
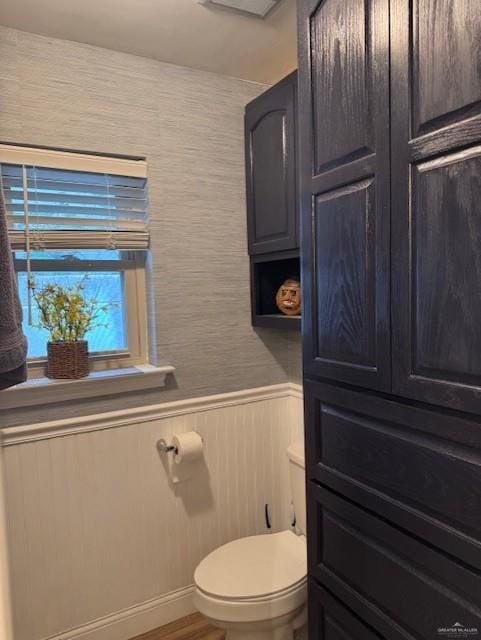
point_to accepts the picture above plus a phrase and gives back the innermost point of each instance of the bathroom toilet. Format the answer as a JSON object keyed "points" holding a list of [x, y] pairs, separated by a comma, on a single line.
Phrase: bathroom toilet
{"points": [[256, 587]]}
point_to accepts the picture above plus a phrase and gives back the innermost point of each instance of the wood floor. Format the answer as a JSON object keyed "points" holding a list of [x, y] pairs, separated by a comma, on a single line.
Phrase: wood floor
{"points": [[193, 627]]}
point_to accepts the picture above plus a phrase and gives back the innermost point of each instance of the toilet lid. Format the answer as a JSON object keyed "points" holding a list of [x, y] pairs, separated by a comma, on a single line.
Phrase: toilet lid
{"points": [[254, 567]]}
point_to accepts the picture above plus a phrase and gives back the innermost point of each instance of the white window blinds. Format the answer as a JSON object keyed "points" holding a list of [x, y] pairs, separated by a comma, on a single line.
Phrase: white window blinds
{"points": [[58, 200]]}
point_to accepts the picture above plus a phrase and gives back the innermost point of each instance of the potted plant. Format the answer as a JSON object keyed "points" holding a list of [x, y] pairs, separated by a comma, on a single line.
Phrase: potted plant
{"points": [[68, 315]]}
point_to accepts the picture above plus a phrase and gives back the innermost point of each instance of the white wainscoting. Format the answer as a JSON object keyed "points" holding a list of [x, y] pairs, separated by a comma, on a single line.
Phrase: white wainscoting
{"points": [[5, 604], [102, 545]]}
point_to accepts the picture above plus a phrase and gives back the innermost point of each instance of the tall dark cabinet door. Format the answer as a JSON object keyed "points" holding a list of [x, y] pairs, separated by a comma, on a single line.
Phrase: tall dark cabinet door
{"points": [[270, 135], [436, 201], [344, 155]]}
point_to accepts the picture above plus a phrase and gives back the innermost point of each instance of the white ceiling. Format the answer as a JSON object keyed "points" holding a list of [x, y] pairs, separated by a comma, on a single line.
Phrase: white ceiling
{"points": [[182, 32]]}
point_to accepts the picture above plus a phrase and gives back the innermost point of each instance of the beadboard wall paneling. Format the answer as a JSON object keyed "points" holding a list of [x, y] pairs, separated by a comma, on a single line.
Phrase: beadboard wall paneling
{"points": [[95, 527], [5, 602], [189, 126]]}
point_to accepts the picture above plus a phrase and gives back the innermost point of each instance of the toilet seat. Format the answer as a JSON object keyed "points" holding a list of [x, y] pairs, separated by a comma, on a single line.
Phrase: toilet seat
{"points": [[254, 578]]}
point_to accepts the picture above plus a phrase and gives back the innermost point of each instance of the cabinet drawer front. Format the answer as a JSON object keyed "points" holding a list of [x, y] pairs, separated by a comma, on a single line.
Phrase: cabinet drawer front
{"points": [[418, 468], [399, 585], [330, 620]]}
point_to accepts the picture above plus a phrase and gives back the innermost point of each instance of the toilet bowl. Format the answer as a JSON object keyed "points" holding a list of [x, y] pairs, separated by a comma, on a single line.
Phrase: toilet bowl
{"points": [[256, 587]]}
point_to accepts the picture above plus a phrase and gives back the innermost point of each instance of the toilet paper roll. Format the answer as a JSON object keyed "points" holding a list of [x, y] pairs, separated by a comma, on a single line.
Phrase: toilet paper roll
{"points": [[189, 446]]}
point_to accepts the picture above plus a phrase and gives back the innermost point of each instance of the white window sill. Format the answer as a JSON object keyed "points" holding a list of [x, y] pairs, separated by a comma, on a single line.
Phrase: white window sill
{"points": [[41, 391]]}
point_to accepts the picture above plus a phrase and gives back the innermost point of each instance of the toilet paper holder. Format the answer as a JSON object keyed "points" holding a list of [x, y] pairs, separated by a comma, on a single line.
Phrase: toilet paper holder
{"points": [[163, 447]]}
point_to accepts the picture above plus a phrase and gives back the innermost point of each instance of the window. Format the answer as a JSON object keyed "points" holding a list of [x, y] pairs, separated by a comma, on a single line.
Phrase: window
{"points": [[80, 218]]}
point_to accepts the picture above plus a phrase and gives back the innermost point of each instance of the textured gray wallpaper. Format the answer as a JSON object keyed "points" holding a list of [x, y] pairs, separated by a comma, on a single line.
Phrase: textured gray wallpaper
{"points": [[294, 357], [189, 126]]}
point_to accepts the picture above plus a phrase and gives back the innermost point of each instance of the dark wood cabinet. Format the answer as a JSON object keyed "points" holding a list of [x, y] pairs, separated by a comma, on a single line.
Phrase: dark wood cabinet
{"points": [[394, 582], [344, 164], [390, 190], [330, 620], [436, 196], [411, 465], [272, 202], [393, 501], [270, 139]]}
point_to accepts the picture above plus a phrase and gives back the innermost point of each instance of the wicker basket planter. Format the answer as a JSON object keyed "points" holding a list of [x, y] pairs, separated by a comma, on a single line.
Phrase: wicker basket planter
{"points": [[67, 360]]}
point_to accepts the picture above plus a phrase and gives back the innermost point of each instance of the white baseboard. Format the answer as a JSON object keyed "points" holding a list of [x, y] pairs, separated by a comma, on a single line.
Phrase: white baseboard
{"points": [[136, 620]]}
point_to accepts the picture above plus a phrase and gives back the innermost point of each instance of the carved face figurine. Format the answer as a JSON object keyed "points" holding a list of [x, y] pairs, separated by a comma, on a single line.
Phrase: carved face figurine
{"points": [[288, 298]]}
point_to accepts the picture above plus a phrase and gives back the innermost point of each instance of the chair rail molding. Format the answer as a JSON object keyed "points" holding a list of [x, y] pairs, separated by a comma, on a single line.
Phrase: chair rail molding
{"points": [[114, 419]]}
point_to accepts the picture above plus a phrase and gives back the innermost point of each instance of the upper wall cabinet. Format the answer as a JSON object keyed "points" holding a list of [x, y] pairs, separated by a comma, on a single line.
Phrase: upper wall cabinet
{"points": [[344, 156], [270, 139], [436, 201]]}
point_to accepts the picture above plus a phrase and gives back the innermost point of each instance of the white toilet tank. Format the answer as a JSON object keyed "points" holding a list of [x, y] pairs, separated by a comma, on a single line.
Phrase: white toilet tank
{"points": [[295, 453]]}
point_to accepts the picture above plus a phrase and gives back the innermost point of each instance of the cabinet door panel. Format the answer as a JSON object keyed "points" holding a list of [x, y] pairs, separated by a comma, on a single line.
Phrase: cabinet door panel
{"points": [[345, 278], [447, 54], [268, 155], [344, 157], [446, 235], [270, 131], [340, 82], [436, 227]]}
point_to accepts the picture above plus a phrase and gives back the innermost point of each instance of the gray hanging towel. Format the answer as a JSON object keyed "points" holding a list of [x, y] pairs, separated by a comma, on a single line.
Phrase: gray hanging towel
{"points": [[13, 343]]}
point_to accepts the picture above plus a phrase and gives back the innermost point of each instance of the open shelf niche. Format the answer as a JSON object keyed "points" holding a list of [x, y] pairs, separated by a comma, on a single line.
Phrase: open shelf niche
{"points": [[268, 272]]}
